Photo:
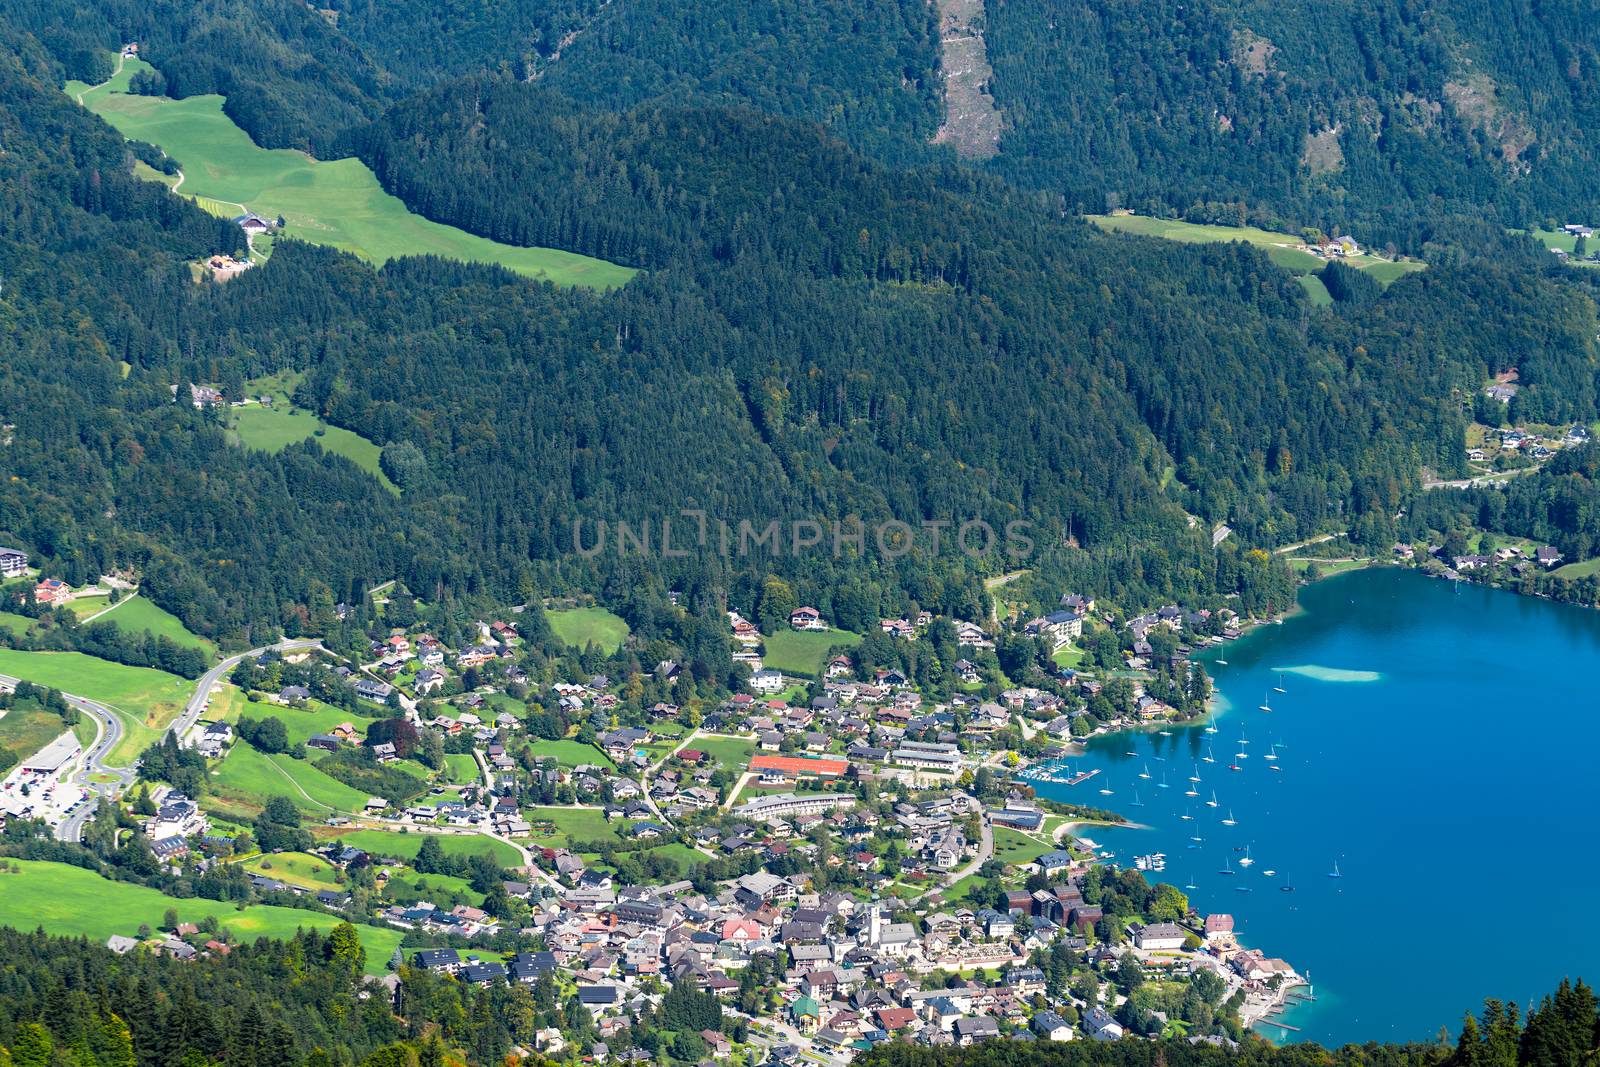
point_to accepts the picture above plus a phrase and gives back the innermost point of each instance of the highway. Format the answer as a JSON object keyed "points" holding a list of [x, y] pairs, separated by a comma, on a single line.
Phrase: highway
{"points": [[108, 732]]}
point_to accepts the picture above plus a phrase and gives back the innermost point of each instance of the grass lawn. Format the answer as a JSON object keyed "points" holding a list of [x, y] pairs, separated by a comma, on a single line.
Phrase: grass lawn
{"points": [[801, 652], [24, 731], [137, 613], [1315, 289], [570, 824], [726, 751], [71, 901], [17, 624], [338, 202], [405, 846], [146, 700], [296, 868], [1013, 846], [84, 606], [1581, 569], [248, 779], [570, 753], [684, 856], [1282, 248], [579, 626], [272, 429], [1067, 656], [461, 768], [1328, 567]]}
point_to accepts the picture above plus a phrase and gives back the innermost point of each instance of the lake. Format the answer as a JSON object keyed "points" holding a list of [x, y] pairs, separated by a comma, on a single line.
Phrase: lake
{"points": [[1436, 742]]}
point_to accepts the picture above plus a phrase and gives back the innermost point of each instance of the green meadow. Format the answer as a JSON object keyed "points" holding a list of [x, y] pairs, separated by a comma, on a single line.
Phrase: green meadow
{"points": [[579, 626], [296, 868], [71, 901], [146, 700], [801, 652], [1282, 248], [570, 824], [137, 613], [569, 753], [725, 751], [272, 429], [331, 202], [247, 779]]}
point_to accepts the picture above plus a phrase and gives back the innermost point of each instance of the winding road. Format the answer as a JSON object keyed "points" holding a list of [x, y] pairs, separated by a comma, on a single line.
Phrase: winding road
{"points": [[108, 733]]}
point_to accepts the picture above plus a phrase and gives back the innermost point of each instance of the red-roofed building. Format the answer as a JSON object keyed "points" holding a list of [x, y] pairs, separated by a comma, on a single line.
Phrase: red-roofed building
{"points": [[783, 768], [52, 591]]}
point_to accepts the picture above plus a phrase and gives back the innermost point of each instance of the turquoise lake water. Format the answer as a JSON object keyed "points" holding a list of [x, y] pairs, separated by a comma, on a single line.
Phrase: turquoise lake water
{"points": [[1435, 742]]}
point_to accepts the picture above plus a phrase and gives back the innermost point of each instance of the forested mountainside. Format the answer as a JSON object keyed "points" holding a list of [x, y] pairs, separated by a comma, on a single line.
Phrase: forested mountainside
{"points": [[1375, 116], [822, 337], [302, 1003], [866, 71], [1390, 119]]}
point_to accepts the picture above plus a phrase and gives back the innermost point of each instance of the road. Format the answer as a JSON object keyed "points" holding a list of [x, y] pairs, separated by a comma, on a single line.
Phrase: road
{"points": [[108, 732], [208, 681], [1298, 545]]}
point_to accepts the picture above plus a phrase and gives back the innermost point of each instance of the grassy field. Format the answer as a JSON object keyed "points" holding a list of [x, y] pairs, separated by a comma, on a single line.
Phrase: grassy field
{"points": [[137, 613], [296, 868], [571, 824], [84, 606], [579, 626], [1581, 569], [461, 768], [405, 846], [276, 428], [17, 624], [338, 202], [801, 652], [24, 731], [1282, 248], [1013, 846], [248, 779], [569, 753], [1067, 656], [146, 700], [726, 751], [71, 901]]}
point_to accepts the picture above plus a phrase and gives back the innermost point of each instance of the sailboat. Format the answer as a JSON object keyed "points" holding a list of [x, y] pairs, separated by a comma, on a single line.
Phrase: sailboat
{"points": [[1230, 821], [1210, 756], [1136, 801], [1164, 780], [1266, 703], [1190, 884], [1227, 868], [1146, 772], [1195, 777], [1106, 792], [1213, 801], [1191, 791], [1335, 872], [1247, 861], [1279, 687], [1211, 728], [1186, 817], [1273, 754]]}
